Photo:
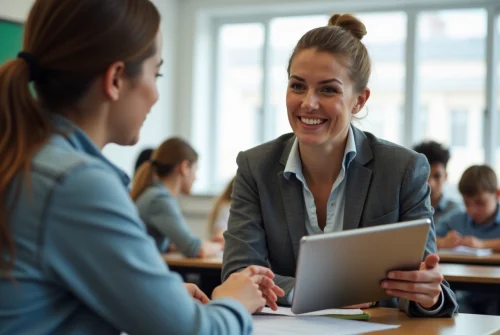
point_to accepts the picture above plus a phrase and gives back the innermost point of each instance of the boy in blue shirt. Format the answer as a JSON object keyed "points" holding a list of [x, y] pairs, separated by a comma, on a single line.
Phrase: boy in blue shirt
{"points": [[479, 225], [438, 156]]}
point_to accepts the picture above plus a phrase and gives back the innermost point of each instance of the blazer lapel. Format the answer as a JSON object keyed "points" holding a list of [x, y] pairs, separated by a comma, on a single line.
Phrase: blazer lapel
{"points": [[358, 181], [293, 202]]}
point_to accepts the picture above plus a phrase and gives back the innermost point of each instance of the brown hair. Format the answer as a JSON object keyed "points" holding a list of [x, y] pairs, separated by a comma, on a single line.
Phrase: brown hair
{"points": [[67, 45], [477, 179], [342, 37], [223, 199], [163, 161]]}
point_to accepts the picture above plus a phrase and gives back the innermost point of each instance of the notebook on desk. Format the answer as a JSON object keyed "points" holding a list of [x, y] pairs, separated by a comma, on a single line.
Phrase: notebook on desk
{"points": [[463, 250], [339, 313]]}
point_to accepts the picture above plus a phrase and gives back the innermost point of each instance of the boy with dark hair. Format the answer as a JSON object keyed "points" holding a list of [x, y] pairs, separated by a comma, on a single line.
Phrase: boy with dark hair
{"points": [[479, 226], [438, 156]]}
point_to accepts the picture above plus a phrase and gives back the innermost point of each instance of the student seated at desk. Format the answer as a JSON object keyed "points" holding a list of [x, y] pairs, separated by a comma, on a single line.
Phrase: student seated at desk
{"points": [[219, 216], [438, 157], [479, 225], [329, 176], [170, 172], [75, 257]]}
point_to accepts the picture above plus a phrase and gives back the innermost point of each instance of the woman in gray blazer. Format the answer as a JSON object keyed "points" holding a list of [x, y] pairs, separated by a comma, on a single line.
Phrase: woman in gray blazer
{"points": [[330, 176]]}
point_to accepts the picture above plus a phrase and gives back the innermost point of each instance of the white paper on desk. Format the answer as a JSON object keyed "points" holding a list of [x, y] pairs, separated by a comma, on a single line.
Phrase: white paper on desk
{"points": [[335, 311], [286, 325], [463, 250]]}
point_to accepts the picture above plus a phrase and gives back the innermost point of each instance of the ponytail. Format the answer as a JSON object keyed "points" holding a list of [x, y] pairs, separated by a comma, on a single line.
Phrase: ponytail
{"points": [[142, 180], [23, 130]]}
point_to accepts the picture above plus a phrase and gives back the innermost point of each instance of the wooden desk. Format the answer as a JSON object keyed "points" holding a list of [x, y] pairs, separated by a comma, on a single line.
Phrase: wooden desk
{"points": [[478, 278], [461, 324], [177, 260], [204, 272], [493, 259], [463, 273]]}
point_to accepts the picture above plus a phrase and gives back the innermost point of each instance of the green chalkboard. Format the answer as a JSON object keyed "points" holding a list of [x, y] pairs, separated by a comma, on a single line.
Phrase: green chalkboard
{"points": [[11, 37]]}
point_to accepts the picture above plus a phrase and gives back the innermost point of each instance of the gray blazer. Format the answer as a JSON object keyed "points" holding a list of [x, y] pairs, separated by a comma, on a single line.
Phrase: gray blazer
{"points": [[386, 183]]}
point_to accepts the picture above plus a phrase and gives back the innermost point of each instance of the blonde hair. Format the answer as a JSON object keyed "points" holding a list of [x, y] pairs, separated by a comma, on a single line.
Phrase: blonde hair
{"points": [[223, 199]]}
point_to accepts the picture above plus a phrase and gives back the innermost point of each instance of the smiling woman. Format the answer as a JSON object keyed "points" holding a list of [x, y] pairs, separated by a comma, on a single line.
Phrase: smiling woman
{"points": [[330, 175]]}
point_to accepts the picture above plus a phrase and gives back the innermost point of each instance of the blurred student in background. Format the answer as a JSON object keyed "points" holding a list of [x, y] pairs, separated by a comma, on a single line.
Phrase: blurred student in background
{"points": [[476, 227], [217, 223], [170, 172], [479, 225], [438, 157]]}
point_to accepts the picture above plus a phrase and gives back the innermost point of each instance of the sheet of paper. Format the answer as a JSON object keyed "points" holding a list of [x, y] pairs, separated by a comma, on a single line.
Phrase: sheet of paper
{"points": [[467, 251], [288, 311], [286, 325]]}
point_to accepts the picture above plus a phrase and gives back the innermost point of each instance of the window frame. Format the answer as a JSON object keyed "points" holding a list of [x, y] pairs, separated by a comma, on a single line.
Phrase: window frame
{"points": [[411, 95]]}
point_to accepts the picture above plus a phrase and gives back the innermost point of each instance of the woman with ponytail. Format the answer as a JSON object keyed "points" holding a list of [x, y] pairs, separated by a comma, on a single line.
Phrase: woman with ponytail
{"points": [[170, 172], [75, 257]]}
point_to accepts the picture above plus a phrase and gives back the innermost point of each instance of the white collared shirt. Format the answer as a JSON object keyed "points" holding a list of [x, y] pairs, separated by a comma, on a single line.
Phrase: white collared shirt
{"points": [[336, 200]]}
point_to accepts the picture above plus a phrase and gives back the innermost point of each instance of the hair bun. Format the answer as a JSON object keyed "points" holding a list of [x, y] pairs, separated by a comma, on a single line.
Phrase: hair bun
{"points": [[349, 23]]}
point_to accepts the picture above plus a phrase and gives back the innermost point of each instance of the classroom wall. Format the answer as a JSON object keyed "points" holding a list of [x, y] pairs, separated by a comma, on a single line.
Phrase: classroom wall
{"points": [[158, 125], [16, 10]]}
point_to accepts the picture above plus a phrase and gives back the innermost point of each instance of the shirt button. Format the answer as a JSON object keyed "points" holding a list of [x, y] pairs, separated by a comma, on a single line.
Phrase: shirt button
{"points": [[332, 203]]}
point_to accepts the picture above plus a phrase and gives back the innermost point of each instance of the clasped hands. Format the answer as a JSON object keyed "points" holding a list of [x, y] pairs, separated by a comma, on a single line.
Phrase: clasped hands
{"points": [[254, 287]]}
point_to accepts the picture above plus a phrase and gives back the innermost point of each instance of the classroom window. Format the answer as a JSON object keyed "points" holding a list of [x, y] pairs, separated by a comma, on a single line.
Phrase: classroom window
{"points": [[239, 95], [446, 95], [385, 43], [423, 120], [459, 128], [451, 71]]}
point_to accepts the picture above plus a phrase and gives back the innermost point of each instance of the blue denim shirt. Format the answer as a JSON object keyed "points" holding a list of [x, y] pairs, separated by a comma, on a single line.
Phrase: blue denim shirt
{"points": [[84, 263]]}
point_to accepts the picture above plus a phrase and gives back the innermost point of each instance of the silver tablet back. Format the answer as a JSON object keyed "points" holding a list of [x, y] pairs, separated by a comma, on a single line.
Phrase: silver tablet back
{"points": [[340, 269]]}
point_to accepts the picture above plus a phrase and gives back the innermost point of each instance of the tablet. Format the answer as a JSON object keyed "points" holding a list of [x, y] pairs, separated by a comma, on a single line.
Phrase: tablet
{"points": [[346, 268]]}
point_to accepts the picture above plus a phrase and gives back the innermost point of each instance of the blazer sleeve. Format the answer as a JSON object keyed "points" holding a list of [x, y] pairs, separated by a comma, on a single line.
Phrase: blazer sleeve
{"points": [[415, 204], [245, 238]]}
